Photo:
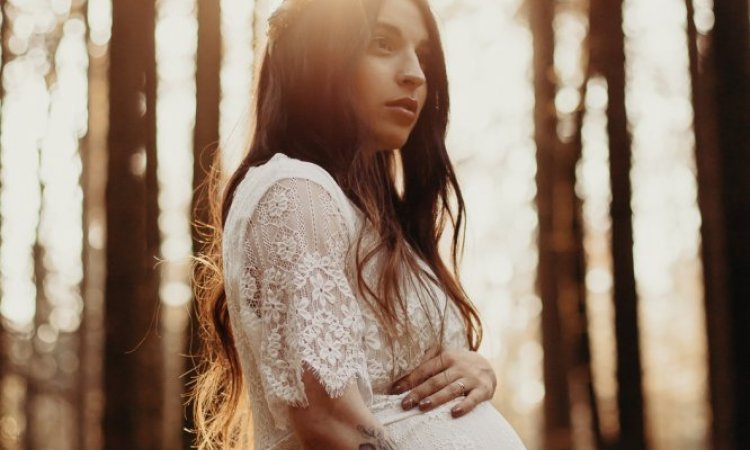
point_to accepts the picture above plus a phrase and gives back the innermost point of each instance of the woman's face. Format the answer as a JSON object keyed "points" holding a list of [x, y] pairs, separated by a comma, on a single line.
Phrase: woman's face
{"points": [[390, 86]]}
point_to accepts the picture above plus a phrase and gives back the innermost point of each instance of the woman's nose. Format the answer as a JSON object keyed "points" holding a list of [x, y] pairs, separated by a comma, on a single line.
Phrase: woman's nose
{"points": [[412, 73]]}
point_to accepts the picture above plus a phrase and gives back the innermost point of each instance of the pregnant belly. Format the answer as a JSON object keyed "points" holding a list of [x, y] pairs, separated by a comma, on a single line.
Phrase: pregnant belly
{"points": [[483, 428]]}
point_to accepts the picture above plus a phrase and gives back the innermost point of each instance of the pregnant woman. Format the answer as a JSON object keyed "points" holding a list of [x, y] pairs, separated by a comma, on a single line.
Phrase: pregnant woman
{"points": [[329, 319]]}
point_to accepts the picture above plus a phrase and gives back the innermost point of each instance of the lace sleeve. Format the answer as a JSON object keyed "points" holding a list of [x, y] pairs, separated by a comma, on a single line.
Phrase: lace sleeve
{"points": [[295, 282]]}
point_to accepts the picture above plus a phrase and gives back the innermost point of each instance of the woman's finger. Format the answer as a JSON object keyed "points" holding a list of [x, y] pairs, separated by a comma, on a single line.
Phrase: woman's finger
{"points": [[473, 398], [422, 395], [448, 392], [423, 372]]}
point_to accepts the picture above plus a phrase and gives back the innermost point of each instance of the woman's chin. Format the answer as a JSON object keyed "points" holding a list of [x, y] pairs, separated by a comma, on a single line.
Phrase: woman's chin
{"points": [[394, 142], [389, 138]]}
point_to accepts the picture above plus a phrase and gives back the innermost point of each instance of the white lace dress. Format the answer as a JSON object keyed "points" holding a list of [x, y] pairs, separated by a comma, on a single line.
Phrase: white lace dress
{"points": [[288, 279]]}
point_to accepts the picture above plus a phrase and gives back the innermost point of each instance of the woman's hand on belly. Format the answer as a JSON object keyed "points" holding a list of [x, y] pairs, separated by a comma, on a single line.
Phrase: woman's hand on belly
{"points": [[444, 377]]}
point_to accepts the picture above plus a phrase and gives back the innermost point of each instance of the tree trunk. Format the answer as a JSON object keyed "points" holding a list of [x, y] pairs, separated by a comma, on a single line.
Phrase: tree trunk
{"points": [[557, 430], [151, 363], [133, 355], [34, 435], [571, 274], [732, 66], [712, 234], [206, 138], [608, 58], [92, 317], [721, 97]]}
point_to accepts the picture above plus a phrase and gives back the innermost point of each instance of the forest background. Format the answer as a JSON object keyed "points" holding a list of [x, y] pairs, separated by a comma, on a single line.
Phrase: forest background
{"points": [[604, 151]]}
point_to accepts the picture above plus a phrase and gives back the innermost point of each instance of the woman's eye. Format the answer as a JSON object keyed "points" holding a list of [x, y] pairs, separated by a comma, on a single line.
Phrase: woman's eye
{"points": [[382, 43]]}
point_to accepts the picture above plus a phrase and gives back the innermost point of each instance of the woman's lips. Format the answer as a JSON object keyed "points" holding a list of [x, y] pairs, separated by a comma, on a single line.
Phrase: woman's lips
{"points": [[405, 109], [404, 115]]}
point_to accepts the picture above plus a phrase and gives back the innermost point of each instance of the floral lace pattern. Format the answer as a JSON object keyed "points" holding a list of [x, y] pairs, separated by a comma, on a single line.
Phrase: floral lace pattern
{"points": [[288, 277], [295, 292]]}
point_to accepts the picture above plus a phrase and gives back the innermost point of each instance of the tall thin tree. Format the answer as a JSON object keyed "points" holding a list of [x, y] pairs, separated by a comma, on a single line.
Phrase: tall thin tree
{"points": [[93, 182], [607, 50], [713, 249], [732, 66], [557, 426], [133, 358], [571, 265], [35, 389], [721, 96]]}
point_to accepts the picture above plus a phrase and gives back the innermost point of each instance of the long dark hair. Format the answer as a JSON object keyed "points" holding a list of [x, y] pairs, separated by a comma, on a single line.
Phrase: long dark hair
{"points": [[304, 109]]}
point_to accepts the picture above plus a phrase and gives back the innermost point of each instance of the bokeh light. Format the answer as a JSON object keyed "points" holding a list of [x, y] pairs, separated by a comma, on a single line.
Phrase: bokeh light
{"points": [[52, 69]]}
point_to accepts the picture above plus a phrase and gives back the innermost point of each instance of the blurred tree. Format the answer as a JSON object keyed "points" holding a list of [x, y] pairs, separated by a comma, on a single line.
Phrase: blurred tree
{"points": [[206, 138], [34, 437], [571, 261], [712, 235], [607, 53], [561, 270], [557, 426], [93, 183], [732, 66], [133, 354], [721, 100]]}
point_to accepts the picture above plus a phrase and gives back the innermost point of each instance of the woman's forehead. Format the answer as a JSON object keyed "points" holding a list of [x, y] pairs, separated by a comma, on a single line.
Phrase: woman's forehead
{"points": [[403, 17]]}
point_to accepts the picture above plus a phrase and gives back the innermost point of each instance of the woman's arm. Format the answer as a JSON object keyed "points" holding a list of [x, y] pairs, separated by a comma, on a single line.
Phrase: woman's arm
{"points": [[309, 326], [341, 423]]}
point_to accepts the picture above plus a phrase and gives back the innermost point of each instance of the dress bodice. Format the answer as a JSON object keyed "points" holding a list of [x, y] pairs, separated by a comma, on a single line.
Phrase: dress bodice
{"points": [[289, 279]]}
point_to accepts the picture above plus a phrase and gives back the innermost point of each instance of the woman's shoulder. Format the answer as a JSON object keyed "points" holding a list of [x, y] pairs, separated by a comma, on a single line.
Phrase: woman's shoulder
{"points": [[280, 169]]}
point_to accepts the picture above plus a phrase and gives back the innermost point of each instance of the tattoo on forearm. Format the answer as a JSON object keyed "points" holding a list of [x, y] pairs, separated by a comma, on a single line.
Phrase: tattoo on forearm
{"points": [[377, 440]]}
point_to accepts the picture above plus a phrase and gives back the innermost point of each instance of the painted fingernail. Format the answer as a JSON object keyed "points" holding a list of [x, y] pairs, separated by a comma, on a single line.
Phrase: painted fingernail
{"points": [[407, 403], [424, 404], [399, 388], [456, 411]]}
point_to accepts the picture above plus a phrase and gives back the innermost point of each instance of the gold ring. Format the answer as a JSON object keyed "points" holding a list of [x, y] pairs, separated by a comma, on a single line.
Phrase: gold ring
{"points": [[462, 386]]}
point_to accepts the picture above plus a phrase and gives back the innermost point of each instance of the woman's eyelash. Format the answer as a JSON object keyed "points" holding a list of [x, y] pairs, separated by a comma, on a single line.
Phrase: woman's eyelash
{"points": [[382, 42]]}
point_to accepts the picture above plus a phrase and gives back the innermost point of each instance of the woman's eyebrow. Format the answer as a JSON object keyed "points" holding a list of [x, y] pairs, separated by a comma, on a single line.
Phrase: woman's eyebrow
{"points": [[393, 29], [389, 27]]}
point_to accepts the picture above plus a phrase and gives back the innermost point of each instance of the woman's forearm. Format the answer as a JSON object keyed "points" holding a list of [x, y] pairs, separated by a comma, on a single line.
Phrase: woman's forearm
{"points": [[337, 423]]}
